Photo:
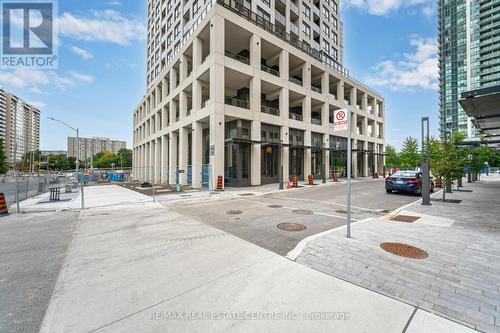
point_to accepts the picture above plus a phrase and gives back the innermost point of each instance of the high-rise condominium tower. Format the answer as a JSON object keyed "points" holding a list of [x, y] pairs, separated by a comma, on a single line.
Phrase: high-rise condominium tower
{"points": [[246, 91]]}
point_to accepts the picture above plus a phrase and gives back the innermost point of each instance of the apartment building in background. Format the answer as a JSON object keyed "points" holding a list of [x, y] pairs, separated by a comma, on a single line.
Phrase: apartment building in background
{"points": [[247, 91], [91, 146], [19, 126], [469, 58]]}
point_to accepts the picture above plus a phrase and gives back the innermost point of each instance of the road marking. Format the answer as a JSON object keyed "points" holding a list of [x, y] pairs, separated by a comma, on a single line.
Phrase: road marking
{"points": [[332, 203], [338, 216]]}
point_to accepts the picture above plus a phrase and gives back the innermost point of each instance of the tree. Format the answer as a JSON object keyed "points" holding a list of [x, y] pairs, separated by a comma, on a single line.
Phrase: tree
{"points": [[409, 157], [125, 158], [105, 160], [391, 157], [450, 163], [3, 160]]}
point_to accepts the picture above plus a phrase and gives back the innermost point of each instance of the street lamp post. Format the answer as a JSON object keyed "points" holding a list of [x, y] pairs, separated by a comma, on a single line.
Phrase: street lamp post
{"points": [[77, 158], [425, 162]]}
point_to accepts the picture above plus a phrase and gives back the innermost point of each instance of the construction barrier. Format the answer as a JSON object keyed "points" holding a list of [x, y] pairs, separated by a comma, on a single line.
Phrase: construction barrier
{"points": [[3, 205], [219, 184], [310, 180], [295, 181], [335, 177], [55, 194]]}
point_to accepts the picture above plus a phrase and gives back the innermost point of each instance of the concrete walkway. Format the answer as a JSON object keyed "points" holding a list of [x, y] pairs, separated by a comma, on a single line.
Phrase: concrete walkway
{"points": [[460, 277], [148, 269]]}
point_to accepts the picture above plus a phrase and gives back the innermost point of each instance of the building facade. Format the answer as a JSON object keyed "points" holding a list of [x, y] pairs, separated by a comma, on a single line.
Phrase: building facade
{"points": [[247, 91], [19, 126], [469, 57], [91, 146]]}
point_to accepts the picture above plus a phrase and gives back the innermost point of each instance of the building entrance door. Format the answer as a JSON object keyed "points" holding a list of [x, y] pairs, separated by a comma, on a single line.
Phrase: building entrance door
{"points": [[296, 163], [270, 164], [237, 168]]}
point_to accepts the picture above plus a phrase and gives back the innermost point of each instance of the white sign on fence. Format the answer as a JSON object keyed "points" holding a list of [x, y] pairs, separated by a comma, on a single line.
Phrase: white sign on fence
{"points": [[340, 120]]}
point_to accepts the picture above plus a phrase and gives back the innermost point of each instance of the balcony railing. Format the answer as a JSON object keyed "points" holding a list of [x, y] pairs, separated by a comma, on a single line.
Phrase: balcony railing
{"points": [[294, 29], [316, 121], [294, 9], [296, 81], [270, 70], [295, 116], [280, 18], [270, 110], [316, 89], [242, 59], [237, 102]]}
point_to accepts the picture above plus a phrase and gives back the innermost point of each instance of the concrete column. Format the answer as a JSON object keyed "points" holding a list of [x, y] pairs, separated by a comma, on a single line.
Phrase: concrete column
{"points": [[197, 95], [284, 104], [197, 52], [285, 156], [353, 96], [159, 95], [365, 160], [164, 159], [217, 35], [197, 154], [164, 116], [157, 164], [255, 51], [306, 109], [217, 83], [173, 80], [172, 158], [306, 75], [285, 65], [183, 154], [307, 154], [255, 97], [354, 158], [325, 113], [340, 92], [255, 172], [217, 126], [325, 84], [364, 102], [364, 126], [151, 161], [183, 67], [182, 105], [326, 156], [173, 107], [165, 87]]}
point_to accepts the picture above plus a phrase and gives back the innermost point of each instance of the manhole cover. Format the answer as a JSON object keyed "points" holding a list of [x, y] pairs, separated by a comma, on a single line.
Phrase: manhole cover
{"points": [[234, 212], [341, 211], [291, 227], [404, 250], [275, 206], [302, 212], [405, 218], [246, 194]]}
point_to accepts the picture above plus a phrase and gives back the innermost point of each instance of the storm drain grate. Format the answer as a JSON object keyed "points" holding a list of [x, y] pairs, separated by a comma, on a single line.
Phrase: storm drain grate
{"points": [[292, 227], [246, 194], [234, 212], [405, 218], [275, 206], [302, 212], [341, 211], [404, 250]]}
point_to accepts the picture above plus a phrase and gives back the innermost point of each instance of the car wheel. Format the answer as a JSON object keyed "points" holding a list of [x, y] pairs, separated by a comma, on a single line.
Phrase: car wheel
{"points": [[388, 191]]}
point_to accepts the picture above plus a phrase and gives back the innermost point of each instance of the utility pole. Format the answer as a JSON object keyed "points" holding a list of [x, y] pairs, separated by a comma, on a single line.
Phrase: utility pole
{"points": [[425, 162]]}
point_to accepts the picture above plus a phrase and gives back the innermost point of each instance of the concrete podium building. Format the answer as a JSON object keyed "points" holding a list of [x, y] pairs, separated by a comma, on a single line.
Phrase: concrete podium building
{"points": [[247, 91]]}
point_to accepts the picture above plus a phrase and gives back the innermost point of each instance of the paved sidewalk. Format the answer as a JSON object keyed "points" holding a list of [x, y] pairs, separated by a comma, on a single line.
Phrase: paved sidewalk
{"points": [[460, 279], [95, 197], [129, 269]]}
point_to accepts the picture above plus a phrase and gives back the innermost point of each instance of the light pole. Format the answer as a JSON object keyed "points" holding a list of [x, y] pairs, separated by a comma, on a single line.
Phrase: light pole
{"points": [[77, 157], [425, 163]]}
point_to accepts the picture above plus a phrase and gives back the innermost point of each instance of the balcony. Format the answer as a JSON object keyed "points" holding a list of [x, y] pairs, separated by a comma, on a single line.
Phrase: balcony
{"points": [[316, 121], [296, 81], [295, 116], [270, 70], [280, 18], [238, 57], [294, 29], [315, 10], [236, 102], [270, 110], [316, 89], [294, 9]]}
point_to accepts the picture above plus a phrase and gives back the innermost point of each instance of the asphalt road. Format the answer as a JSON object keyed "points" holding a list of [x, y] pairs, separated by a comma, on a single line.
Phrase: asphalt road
{"points": [[255, 219], [32, 249]]}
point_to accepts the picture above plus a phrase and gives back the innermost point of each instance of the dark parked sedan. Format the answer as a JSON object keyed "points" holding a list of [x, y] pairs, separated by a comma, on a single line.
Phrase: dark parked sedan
{"points": [[406, 181]]}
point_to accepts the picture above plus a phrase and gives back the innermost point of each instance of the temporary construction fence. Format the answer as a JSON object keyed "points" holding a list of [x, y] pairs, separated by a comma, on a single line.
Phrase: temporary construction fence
{"points": [[196, 176]]}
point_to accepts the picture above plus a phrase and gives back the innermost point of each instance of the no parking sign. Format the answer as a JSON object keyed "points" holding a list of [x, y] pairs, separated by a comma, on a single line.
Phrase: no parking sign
{"points": [[340, 120]]}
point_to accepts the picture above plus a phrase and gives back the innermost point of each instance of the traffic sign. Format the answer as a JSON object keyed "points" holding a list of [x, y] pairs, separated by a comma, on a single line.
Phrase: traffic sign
{"points": [[340, 120]]}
